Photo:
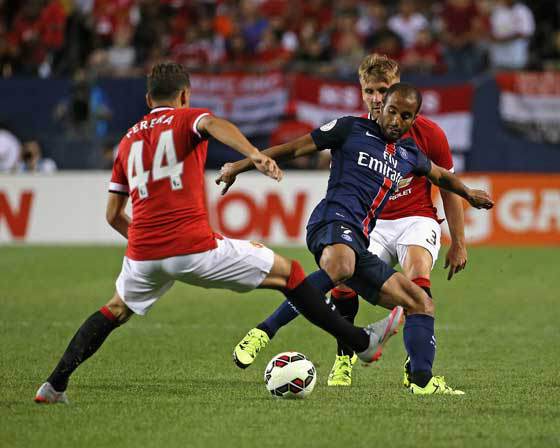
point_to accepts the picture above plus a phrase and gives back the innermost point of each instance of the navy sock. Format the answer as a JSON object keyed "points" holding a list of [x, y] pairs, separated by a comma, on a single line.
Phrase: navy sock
{"points": [[321, 280], [420, 344], [283, 315], [286, 312], [312, 305], [348, 308]]}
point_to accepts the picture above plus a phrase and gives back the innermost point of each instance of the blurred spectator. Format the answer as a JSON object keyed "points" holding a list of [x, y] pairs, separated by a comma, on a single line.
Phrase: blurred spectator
{"points": [[425, 56], [253, 23], [109, 15], [35, 33], [348, 55], [270, 54], [122, 37], [512, 25], [407, 23], [117, 60], [460, 24], [237, 53], [10, 148], [32, 161], [85, 113], [387, 42], [109, 154], [550, 54], [8, 59], [371, 18]]}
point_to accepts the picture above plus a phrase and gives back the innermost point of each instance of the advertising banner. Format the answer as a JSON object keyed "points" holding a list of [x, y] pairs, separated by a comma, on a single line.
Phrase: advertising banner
{"points": [[70, 208], [253, 102], [530, 104], [319, 101]]}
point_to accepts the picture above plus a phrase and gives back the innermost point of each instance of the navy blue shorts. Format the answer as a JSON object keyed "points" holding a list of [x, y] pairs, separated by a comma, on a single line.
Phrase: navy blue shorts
{"points": [[370, 273]]}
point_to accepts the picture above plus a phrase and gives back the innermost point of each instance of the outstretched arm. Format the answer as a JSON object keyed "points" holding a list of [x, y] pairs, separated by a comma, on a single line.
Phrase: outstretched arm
{"points": [[456, 257], [299, 147], [444, 179], [227, 133]]}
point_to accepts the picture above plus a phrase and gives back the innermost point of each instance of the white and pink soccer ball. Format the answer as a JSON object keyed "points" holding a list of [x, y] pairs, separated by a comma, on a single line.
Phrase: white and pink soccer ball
{"points": [[290, 375]]}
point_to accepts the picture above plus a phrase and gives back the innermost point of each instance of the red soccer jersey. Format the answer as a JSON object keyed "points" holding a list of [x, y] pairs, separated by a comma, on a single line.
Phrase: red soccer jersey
{"points": [[160, 163], [414, 197]]}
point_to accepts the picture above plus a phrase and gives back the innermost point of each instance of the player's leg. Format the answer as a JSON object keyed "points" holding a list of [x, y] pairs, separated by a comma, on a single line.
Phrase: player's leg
{"points": [[419, 338], [344, 298], [417, 251], [337, 262], [257, 338], [86, 341], [307, 295], [140, 287]]}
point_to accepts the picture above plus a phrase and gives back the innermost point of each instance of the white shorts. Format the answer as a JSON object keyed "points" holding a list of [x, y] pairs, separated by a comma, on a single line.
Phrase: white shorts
{"points": [[391, 237], [237, 265]]}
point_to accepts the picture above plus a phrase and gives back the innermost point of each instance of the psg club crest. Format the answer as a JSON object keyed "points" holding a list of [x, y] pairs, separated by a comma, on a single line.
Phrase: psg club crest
{"points": [[403, 153]]}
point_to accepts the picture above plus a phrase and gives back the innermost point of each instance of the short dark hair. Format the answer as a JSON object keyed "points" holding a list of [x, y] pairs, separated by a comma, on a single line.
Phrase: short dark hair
{"points": [[166, 80], [405, 89]]}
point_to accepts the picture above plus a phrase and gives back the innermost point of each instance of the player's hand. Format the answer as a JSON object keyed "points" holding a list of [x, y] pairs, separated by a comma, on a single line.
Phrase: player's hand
{"points": [[480, 199], [267, 166], [227, 176], [456, 259]]}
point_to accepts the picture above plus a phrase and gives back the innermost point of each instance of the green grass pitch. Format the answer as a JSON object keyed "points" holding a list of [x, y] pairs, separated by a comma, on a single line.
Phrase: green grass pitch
{"points": [[168, 380]]}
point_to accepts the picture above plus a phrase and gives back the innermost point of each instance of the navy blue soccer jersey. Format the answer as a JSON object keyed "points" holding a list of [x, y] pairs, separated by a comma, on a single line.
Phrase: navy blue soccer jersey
{"points": [[365, 171]]}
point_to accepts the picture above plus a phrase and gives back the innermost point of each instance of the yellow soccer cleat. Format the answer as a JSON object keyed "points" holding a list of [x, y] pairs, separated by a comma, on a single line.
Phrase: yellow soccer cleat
{"points": [[249, 347], [406, 374], [436, 385], [341, 372]]}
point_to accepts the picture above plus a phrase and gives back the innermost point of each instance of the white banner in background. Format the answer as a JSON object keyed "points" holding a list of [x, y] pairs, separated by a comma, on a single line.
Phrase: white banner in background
{"points": [[70, 208]]}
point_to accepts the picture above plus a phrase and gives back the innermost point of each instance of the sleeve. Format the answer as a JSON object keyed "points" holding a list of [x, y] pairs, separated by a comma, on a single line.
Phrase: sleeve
{"points": [[332, 135], [119, 182], [192, 119], [438, 149], [423, 165]]}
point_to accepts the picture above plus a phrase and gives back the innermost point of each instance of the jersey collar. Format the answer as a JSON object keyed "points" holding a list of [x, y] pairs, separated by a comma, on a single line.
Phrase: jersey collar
{"points": [[161, 108]]}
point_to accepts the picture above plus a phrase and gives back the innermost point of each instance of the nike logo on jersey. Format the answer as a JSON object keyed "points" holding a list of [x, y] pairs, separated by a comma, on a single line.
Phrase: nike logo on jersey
{"points": [[339, 214], [374, 136]]}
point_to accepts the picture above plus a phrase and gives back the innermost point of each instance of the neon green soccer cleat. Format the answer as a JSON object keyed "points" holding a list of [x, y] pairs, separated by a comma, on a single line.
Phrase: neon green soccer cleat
{"points": [[437, 385], [406, 374], [249, 347], [341, 372]]}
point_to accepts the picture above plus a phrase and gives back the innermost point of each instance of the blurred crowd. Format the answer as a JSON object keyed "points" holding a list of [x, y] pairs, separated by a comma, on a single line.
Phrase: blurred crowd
{"points": [[123, 37]]}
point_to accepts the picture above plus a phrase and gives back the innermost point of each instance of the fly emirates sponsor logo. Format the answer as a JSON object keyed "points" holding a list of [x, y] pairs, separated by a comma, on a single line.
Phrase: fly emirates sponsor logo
{"points": [[386, 167]]}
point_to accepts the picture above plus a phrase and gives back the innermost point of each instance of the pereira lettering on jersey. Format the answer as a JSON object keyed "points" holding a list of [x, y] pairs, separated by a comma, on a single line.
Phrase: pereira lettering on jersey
{"points": [[160, 163], [365, 171]]}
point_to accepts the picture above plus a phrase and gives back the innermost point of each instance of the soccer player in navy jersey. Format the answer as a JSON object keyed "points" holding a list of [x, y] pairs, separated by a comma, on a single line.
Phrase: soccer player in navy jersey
{"points": [[368, 161], [406, 232]]}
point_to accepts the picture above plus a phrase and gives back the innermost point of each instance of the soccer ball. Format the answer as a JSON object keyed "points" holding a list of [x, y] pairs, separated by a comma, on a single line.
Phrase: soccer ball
{"points": [[290, 375]]}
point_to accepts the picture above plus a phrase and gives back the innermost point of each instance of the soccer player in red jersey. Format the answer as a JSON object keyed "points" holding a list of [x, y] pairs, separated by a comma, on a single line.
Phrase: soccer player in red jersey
{"points": [[407, 232], [160, 166]]}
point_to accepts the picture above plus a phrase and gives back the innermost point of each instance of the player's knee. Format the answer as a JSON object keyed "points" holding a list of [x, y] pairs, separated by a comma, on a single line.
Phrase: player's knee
{"points": [[420, 303], [118, 310], [338, 270]]}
